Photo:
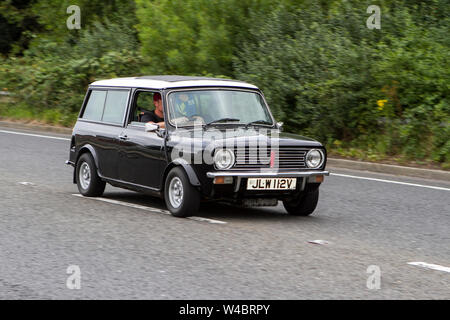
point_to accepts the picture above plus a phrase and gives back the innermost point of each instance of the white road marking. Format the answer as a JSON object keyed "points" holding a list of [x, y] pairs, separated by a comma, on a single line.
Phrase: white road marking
{"points": [[430, 266], [207, 220], [25, 183], [34, 135], [390, 181], [333, 174], [131, 205], [322, 242], [150, 209]]}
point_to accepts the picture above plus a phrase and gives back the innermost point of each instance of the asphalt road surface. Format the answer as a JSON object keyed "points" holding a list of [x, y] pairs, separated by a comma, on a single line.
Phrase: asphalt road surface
{"points": [[126, 247]]}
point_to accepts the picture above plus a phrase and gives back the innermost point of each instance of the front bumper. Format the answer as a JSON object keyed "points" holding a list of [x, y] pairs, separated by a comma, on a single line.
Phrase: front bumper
{"points": [[239, 175], [267, 174], [70, 163]]}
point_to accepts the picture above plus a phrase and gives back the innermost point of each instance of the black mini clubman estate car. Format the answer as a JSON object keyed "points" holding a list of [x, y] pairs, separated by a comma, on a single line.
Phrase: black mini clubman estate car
{"points": [[188, 139]]}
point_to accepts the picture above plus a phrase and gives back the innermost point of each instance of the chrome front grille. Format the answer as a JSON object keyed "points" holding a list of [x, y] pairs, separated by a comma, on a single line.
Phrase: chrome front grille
{"points": [[284, 157]]}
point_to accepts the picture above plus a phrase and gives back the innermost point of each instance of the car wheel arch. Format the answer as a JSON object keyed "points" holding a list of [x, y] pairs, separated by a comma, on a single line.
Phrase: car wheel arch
{"points": [[193, 179], [86, 149]]}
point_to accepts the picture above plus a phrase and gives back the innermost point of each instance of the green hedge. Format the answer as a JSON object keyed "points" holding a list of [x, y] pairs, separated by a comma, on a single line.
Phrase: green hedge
{"points": [[326, 75], [371, 93]]}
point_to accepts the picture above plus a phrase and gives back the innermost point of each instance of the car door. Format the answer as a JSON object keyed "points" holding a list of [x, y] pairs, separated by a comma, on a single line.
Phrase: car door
{"points": [[103, 120], [108, 140], [142, 158]]}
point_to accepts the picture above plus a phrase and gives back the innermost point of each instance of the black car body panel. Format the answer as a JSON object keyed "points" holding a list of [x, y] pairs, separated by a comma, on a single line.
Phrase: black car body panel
{"points": [[127, 156]]}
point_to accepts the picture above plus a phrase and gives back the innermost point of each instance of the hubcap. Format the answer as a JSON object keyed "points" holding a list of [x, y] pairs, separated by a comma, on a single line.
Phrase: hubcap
{"points": [[176, 192], [85, 175]]}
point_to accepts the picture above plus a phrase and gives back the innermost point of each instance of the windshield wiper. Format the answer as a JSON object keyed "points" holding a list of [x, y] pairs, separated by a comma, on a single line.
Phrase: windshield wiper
{"points": [[221, 120], [258, 122]]}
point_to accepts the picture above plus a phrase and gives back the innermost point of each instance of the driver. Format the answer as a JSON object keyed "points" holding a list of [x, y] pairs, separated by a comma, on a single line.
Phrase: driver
{"points": [[184, 105], [156, 116]]}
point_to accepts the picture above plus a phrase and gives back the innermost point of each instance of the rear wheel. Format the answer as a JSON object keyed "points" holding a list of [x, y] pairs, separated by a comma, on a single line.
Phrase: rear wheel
{"points": [[304, 205], [88, 182], [182, 199]]}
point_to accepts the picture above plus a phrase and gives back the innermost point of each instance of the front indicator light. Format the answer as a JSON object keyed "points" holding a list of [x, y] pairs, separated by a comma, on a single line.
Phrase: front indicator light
{"points": [[223, 180], [316, 179]]}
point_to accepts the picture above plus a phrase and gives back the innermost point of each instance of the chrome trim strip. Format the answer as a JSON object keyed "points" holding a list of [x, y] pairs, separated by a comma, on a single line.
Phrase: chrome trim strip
{"points": [[128, 183]]}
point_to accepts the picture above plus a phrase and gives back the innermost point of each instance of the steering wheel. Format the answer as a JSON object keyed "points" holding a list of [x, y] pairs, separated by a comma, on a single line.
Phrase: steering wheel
{"points": [[195, 117]]}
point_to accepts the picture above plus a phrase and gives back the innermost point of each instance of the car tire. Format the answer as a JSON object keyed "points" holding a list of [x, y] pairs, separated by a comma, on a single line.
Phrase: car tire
{"points": [[304, 205], [88, 182], [182, 199]]}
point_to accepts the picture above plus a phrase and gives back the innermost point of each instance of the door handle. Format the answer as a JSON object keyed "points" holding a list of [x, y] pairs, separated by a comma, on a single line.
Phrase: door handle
{"points": [[123, 137]]}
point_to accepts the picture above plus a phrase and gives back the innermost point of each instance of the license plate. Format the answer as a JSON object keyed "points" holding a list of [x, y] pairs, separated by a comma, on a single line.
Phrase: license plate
{"points": [[271, 183]]}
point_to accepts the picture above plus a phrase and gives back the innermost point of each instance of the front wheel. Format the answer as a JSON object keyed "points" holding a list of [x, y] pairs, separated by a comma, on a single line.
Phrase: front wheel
{"points": [[182, 199], [304, 205], [88, 182]]}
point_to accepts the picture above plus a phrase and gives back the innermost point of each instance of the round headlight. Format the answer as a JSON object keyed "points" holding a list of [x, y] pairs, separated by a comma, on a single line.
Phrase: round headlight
{"points": [[314, 158], [224, 159]]}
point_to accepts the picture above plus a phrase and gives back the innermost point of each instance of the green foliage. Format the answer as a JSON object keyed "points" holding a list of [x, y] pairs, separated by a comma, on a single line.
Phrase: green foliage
{"points": [[196, 36], [51, 78], [365, 93], [323, 75]]}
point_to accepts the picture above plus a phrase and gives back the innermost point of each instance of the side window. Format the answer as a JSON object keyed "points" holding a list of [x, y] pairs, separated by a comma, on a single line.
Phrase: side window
{"points": [[116, 103], [143, 102], [94, 106]]}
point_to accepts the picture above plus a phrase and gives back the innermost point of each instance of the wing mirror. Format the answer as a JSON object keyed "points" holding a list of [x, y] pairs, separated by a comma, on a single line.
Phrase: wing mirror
{"points": [[280, 126], [151, 127]]}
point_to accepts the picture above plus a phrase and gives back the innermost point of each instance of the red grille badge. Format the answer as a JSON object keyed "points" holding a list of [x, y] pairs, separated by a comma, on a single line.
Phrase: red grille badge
{"points": [[272, 158]]}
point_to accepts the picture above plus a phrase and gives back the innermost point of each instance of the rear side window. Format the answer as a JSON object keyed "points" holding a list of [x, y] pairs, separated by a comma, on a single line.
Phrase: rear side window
{"points": [[106, 105], [94, 107], [116, 103]]}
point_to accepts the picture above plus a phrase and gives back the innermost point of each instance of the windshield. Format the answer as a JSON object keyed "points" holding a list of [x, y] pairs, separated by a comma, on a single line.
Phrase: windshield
{"points": [[187, 108]]}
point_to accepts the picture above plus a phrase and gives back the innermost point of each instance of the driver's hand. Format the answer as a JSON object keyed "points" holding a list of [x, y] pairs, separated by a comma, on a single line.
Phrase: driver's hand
{"points": [[197, 118], [180, 120]]}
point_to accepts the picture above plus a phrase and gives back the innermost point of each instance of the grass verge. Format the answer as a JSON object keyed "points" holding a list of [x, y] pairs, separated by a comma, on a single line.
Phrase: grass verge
{"points": [[55, 117]]}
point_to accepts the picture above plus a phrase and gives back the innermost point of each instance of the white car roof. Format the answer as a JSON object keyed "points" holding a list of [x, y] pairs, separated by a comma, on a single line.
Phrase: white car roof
{"points": [[165, 82]]}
